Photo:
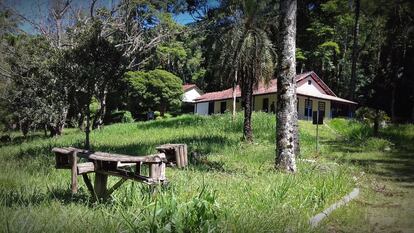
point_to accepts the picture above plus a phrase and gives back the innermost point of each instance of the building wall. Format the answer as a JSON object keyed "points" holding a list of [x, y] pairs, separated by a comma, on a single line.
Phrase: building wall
{"points": [[258, 101], [191, 95], [202, 108], [301, 110]]}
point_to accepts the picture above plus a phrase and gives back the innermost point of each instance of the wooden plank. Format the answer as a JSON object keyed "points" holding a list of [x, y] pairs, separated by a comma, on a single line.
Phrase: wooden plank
{"points": [[126, 164], [129, 175], [153, 171], [89, 185], [177, 157], [185, 155], [74, 172], [84, 168], [138, 169], [110, 157], [62, 150]]}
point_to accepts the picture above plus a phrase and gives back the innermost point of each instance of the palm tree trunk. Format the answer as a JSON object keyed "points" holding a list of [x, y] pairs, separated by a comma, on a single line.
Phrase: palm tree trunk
{"points": [[286, 94], [248, 93], [234, 95]]}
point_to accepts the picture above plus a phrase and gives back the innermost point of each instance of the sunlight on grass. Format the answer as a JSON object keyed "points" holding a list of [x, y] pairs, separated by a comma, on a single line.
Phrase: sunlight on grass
{"points": [[232, 187]]}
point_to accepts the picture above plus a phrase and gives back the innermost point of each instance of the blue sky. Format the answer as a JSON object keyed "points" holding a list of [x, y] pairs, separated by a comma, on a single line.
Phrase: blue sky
{"points": [[36, 9]]}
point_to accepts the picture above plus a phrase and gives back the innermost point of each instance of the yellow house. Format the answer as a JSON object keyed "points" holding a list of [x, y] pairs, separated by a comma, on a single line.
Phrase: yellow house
{"points": [[313, 95]]}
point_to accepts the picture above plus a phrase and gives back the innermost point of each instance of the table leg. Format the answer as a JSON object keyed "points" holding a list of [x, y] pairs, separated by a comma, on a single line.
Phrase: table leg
{"points": [[101, 181]]}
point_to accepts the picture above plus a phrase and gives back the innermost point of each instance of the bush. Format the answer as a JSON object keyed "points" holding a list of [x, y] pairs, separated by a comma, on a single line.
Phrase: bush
{"points": [[377, 144], [122, 117], [159, 117]]}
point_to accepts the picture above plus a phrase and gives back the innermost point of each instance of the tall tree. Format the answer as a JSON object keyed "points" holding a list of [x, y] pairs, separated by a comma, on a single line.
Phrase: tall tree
{"points": [[355, 51], [286, 88], [245, 51]]}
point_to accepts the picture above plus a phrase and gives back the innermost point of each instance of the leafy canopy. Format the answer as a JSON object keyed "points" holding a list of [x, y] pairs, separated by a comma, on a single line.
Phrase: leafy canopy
{"points": [[155, 89]]}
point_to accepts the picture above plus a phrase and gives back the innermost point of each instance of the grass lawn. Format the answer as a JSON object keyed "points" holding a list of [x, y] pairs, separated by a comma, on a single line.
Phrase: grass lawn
{"points": [[232, 187]]}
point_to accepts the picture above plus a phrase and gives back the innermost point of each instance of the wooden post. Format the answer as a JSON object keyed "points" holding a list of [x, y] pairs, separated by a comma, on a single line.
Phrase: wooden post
{"points": [[101, 181], [185, 154], [153, 171], [177, 156], [138, 169], [74, 171]]}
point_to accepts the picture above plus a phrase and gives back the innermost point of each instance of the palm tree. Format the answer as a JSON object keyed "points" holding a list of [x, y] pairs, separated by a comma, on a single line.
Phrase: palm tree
{"points": [[247, 53], [286, 116]]}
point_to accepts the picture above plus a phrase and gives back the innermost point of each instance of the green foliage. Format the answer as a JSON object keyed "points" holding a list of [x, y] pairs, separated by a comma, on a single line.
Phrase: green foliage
{"points": [[156, 89], [377, 144], [122, 117], [369, 115]]}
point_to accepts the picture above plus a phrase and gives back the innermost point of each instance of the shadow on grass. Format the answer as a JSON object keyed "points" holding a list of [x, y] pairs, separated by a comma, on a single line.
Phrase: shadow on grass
{"points": [[204, 144], [397, 164], [173, 122], [11, 198]]}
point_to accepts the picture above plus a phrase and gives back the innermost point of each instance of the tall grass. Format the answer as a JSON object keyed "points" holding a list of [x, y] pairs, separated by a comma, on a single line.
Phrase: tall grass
{"points": [[231, 187]]}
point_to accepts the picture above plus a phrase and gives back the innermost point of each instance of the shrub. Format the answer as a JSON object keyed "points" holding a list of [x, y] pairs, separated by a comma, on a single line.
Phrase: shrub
{"points": [[122, 116], [377, 144]]}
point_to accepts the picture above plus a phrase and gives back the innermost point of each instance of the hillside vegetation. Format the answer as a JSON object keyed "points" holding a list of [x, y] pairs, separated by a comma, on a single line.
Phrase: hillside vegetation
{"points": [[232, 186]]}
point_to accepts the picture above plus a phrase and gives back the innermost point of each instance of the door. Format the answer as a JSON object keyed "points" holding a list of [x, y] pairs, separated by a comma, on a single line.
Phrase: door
{"points": [[211, 108], [265, 107], [223, 107]]}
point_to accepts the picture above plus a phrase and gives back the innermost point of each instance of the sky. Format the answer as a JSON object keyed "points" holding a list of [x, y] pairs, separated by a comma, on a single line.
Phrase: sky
{"points": [[37, 10]]}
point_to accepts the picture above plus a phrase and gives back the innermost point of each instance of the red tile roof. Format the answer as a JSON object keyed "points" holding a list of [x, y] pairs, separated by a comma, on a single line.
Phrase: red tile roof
{"points": [[271, 87], [188, 86]]}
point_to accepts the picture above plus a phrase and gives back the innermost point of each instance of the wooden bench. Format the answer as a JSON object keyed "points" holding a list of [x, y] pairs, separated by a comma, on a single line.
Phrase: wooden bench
{"points": [[176, 154], [105, 164]]}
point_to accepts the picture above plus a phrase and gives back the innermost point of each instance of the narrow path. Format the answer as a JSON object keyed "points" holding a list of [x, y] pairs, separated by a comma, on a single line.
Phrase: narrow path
{"points": [[386, 203]]}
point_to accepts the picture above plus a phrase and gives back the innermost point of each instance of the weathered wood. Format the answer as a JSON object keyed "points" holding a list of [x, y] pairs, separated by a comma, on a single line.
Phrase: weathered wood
{"points": [[130, 175], [153, 171], [177, 157], [74, 171], [61, 150], [110, 157], [101, 181], [126, 164], [105, 164], [138, 169], [175, 153], [162, 171], [89, 185], [84, 168], [185, 154]]}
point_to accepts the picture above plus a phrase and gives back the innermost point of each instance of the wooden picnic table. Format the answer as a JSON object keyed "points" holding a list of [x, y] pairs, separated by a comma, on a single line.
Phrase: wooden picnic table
{"points": [[106, 164]]}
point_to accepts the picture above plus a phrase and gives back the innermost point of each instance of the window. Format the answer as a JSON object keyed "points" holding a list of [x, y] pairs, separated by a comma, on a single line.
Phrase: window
{"points": [[309, 82], [321, 108], [223, 106], [265, 107], [308, 107]]}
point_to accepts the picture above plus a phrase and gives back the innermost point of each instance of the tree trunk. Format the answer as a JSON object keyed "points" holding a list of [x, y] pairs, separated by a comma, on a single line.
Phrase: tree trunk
{"points": [[354, 52], [286, 94], [393, 96], [234, 95], [248, 99], [87, 127], [98, 121], [376, 122], [296, 137]]}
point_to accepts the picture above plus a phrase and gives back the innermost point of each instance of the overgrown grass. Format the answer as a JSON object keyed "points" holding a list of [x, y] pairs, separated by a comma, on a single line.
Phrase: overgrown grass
{"points": [[232, 187]]}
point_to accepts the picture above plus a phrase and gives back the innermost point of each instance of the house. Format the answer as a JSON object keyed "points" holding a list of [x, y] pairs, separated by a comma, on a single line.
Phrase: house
{"points": [[191, 92], [313, 94]]}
